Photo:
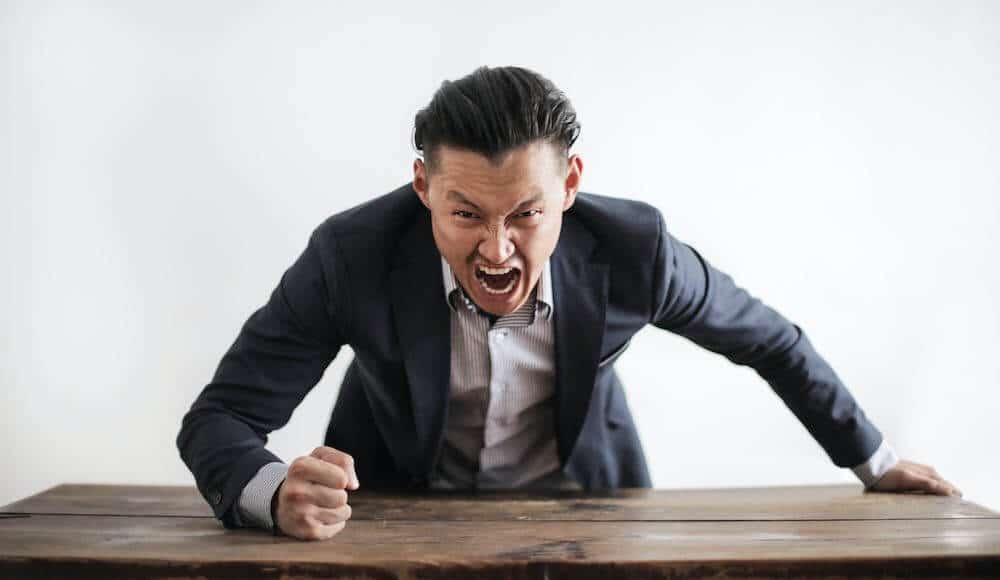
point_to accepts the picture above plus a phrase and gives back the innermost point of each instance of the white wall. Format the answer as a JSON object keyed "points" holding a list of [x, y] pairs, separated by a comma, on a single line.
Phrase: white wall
{"points": [[164, 162]]}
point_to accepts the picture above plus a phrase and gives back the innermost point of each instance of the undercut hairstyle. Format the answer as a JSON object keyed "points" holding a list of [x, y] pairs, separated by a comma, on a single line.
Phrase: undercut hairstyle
{"points": [[494, 110]]}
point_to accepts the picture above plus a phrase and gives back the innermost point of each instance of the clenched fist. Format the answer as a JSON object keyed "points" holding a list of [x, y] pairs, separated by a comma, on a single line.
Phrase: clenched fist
{"points": [[312, 501]]}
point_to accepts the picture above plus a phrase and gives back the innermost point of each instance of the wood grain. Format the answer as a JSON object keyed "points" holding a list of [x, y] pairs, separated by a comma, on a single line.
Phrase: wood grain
{"points": [[845, 502], [410, 548], [810, 531]]}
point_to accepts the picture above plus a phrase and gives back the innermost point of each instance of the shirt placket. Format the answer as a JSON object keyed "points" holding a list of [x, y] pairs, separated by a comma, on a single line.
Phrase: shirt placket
{"points": [[496, 414]]}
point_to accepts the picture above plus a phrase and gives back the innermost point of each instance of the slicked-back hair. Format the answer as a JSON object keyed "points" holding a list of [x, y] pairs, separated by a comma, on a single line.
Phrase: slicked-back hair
{"points": [[494, 110]]}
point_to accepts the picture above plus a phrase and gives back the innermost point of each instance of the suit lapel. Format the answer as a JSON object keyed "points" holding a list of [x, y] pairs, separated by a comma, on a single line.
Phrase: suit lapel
{"points": [[424, 328], [580, 289]]}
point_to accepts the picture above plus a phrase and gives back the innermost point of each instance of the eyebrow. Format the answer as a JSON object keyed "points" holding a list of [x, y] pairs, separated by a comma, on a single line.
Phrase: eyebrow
{"points": [[531, 201], [457, 196]]}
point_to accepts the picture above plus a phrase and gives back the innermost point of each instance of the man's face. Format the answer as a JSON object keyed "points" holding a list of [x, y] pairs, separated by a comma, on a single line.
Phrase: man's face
{"points": [[497, 224]]}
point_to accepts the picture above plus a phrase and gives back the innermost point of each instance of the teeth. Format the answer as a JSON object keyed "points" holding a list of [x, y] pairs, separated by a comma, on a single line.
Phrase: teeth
{"points": [[504, 290], [495, 271]]}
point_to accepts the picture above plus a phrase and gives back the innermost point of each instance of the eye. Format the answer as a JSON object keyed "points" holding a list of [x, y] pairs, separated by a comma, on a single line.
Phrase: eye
{"points": [[464, 214], [530, 213]]}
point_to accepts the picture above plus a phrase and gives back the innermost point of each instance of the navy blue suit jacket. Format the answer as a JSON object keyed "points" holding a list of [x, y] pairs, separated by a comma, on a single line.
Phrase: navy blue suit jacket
{"points": [[370, 277]]}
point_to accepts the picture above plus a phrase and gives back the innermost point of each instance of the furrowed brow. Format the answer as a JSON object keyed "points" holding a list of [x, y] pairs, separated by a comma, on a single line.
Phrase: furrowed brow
{"points": [[457, 197], [532, 201]]}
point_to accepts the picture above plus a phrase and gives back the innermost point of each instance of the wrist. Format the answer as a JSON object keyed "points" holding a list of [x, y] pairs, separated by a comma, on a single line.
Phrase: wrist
{"points": [[274, 510]]}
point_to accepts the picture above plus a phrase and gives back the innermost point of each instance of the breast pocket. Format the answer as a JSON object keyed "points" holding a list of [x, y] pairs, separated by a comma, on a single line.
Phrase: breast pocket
{"points": [[614, 356]]}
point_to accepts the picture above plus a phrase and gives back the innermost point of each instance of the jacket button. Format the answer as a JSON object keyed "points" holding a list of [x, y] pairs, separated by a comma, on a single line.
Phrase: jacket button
{"points": [[215, 497]]}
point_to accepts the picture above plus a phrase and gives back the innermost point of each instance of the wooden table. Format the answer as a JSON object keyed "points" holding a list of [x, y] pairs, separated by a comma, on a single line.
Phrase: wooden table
{"points": [[809, 531]]}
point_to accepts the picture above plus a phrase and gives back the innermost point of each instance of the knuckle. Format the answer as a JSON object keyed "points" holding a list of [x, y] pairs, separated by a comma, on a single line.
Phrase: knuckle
{"points": [[340, 459], [338, 477], [339, 497], [333, 529], [298, 469], [295, 493], [303, 514], [312, 533]]}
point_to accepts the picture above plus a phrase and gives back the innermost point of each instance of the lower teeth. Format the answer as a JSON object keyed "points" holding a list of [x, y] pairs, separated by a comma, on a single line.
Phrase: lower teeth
{"points": [[503, 290]]}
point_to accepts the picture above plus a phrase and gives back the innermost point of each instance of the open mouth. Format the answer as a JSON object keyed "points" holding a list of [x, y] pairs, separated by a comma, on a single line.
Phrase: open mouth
{"points": [[497, 281]]}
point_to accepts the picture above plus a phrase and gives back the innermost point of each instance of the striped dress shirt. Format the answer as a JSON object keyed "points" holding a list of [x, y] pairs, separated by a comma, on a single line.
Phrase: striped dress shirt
{"points": [[500, 428]]}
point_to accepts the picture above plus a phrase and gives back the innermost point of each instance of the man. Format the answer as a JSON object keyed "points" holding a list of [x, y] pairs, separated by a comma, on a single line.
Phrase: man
{"points": [[486, 303]]}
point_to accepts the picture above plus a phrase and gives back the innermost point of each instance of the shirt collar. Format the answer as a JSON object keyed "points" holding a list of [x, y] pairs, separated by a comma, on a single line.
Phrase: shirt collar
{"points": [[542, 293]]}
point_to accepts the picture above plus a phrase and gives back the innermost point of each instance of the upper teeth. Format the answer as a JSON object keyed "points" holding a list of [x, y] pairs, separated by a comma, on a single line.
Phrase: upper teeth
{"points": [[495, 271]]}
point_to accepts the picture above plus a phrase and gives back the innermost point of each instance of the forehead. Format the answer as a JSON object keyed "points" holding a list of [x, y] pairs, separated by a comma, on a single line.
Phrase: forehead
{"points": [[528, 169]]}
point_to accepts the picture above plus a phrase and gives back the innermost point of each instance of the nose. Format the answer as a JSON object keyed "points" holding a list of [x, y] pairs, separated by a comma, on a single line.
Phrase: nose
{"points": [[496, 246]]}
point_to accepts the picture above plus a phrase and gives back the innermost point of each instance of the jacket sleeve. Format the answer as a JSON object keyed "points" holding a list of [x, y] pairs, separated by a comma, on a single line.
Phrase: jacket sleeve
{"points": [[278, 356], [693, 299]]}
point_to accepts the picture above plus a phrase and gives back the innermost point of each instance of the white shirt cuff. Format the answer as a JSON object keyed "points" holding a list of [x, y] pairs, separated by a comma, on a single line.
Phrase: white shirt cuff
{"points": [[255, 499], [871, 471]]}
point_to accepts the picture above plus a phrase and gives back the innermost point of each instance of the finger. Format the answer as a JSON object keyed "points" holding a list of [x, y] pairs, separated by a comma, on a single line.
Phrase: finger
{"points": [[952, 490], [935, 486], [327, 497], [938, 484], [933, 474], [928, 471], [341, 459], [909, 479], [319, 472], [317, 531], [330, 516], [331, 529]]}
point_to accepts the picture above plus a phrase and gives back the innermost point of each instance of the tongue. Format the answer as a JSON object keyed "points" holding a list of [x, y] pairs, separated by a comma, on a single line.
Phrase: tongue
{"points": [[498, 282]]}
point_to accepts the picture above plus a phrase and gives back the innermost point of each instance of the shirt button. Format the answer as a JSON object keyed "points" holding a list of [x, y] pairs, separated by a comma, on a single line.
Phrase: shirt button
{"points": [[215, 497]]}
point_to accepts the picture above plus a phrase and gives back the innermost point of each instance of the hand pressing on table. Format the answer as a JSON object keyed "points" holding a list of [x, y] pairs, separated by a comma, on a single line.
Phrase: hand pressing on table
{"points": [[911, 476], [312, 501]]}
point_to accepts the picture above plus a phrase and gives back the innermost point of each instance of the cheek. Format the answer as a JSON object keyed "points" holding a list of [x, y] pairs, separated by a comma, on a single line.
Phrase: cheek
{"points": [[452, 240], [537, 243]]}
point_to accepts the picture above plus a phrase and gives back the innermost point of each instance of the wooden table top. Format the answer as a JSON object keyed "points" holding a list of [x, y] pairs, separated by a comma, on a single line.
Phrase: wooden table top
{"points": [[802, 531]]}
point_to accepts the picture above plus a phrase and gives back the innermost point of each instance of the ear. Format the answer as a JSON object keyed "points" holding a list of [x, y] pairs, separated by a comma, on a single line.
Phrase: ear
{"points": [[420, 184], [574, 173]]}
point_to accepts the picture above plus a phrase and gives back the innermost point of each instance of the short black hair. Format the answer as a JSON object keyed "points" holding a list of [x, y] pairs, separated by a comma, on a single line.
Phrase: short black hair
{"points": [[494, 110]]}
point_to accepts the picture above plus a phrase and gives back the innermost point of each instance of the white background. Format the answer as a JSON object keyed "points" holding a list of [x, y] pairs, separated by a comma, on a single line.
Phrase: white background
{"points": [[164, 162]]}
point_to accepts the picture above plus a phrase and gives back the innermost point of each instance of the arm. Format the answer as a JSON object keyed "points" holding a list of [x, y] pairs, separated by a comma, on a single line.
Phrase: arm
{"points": [[704, 305], [279, 355], [693, 299]]}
